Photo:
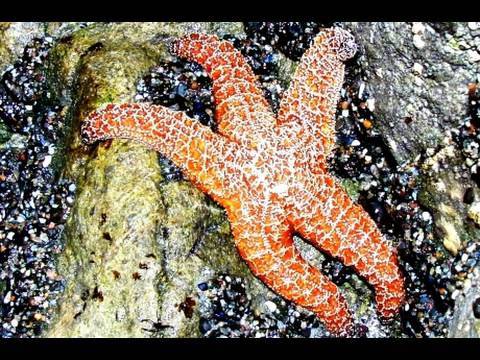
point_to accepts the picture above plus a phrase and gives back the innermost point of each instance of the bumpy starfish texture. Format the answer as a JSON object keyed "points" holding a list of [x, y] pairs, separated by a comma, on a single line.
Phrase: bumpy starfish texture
{"points": [[270, 172]]}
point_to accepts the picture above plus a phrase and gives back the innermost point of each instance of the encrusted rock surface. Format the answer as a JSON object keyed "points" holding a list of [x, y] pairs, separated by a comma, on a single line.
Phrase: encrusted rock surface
{"points": [[418, 74], [14, 37], [466, 322], [137, 246]]}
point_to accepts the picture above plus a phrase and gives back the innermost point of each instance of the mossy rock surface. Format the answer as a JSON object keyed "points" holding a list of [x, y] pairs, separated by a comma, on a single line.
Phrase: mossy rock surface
{"points": [[136, 246]]}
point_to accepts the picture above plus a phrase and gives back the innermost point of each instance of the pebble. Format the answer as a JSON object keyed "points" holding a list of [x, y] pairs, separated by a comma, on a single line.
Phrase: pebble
{"points": [[271, 306], [474, 212], [418, 42], [418, 28], [476, 308], [469, 196], [7, 297], [473, 25], [418, 68], [451, 239], [367, 124], [426, 216], [47, 161], [371, 104], [473, 55]]}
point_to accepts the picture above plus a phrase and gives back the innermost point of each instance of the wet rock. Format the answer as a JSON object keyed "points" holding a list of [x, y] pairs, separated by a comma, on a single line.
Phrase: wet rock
{"points": [[466, 322], [14, 37], [443, 189], [476, 308], [33, 200], [474, 212], [5, 134], [114, 220], [435, 100], [135, 249]]}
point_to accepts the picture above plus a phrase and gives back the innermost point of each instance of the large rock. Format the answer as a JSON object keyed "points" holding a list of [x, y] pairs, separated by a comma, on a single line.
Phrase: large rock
{"points": [[418, 74], [136, 245]]}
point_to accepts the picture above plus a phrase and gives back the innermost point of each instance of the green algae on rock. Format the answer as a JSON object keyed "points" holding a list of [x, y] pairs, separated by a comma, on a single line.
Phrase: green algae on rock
{"points": [[113, 222], [111, 232], [442, 191], [136, 246]]}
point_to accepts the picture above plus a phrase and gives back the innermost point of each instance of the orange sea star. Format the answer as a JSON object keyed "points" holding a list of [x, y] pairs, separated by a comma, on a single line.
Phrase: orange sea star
{"points": [[270, 172]]}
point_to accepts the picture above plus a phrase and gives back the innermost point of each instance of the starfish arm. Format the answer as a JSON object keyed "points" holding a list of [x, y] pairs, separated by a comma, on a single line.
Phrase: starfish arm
{"points": [[266, 244], [315, 88], [242, 113], [334, 224], [205, 158]]}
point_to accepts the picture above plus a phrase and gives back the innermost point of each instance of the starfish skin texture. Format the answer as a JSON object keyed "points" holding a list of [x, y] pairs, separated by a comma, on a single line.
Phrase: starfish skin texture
{"points": [[270, 172]]}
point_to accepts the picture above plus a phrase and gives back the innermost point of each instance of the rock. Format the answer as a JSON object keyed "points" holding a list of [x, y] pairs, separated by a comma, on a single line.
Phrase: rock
{"points": [[473, 25], [476, 308], [13, 38], [442, 191], [136, 246], [436, 101], [451, 239], [418, 41], [418, 28], [286, 69], [271, 306], [464, 323], [418, 68], [4, 133], [474, 212]]}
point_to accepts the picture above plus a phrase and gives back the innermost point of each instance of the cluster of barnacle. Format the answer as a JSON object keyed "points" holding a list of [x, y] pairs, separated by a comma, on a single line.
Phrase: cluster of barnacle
{"points": [[34, 205]]}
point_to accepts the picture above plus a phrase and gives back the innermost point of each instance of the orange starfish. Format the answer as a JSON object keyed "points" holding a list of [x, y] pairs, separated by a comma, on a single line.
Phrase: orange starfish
{"points": [[269, 172]]}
